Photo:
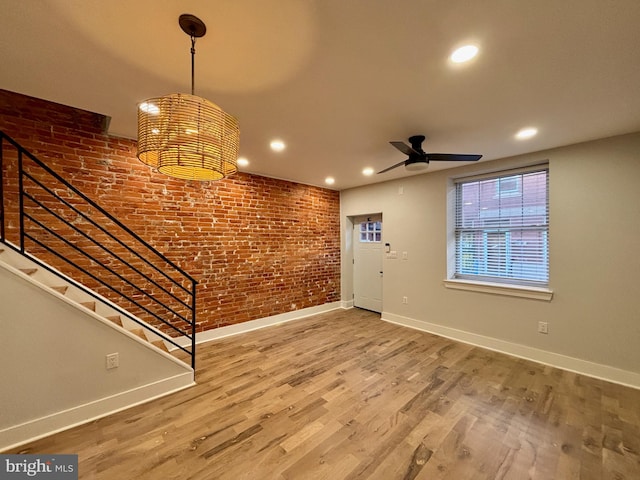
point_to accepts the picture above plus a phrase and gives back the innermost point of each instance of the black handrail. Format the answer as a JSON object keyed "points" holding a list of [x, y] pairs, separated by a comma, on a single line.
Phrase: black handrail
{"points": [[67, 204], [166, 294]]}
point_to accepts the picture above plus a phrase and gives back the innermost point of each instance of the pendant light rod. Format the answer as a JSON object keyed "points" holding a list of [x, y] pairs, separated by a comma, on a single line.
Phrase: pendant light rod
{"points": [[193, 62], [195, 28]]}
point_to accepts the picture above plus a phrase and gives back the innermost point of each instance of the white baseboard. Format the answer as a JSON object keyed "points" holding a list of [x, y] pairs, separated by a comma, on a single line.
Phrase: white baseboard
{"points": [[347, 303], [17, 435], [244, 327], [584, 367]]}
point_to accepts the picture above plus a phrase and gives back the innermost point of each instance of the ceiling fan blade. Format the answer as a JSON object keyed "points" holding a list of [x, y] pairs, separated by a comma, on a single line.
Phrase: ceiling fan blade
{"points": [[392, 167], [452, 157], [404, 148]]}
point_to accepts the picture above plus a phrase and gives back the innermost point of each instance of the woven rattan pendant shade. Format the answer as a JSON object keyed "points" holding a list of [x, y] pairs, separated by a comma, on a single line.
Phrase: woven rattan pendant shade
{"points": [[188, 137], [185, 136]]}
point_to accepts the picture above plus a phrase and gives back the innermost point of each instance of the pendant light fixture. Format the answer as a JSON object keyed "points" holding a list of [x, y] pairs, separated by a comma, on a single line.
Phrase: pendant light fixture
{"points": [[186, 136]]}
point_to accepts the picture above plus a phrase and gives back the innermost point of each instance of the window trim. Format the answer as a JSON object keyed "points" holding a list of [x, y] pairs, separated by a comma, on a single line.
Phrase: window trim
{"points": [[515, 288], [507, 289]]}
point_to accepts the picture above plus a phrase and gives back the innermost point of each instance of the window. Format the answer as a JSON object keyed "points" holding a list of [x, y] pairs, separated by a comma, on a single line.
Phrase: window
{"points": [[370, 231], [502, 228]]}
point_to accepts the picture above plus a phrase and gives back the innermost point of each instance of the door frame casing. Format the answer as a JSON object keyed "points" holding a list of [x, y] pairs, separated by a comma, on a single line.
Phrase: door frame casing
{"points": [[351, 221]]}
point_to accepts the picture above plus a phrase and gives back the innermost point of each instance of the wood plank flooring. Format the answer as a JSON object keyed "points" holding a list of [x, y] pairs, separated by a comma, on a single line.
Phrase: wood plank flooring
{"points": [[344, 395]]}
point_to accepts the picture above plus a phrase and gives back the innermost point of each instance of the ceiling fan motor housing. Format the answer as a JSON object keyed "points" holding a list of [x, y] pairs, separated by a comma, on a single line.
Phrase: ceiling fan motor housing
{"points": [[416, 143], [416, 164], [419, 162]]}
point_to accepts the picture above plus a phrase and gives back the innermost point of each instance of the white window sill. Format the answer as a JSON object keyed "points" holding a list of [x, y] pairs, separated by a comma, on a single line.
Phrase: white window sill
{"points": [[533, 293]]}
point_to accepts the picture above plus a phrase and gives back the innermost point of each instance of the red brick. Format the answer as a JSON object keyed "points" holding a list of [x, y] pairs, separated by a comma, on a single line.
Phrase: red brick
{"points": [[257, 246]]}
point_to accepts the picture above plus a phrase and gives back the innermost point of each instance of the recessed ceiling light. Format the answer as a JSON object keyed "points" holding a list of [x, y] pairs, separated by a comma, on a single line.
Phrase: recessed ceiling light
{"points": [[243, 162], [329, 180], [526, 133], [277, 145], [464, 54], [367, 171]]}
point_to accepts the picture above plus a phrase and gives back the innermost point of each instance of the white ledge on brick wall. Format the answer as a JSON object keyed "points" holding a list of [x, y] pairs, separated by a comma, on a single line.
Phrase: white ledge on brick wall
{"points": [[534, 293]]}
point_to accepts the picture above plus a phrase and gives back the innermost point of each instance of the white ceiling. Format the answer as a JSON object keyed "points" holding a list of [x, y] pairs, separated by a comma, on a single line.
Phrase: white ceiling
{"points": [[338, 79]]}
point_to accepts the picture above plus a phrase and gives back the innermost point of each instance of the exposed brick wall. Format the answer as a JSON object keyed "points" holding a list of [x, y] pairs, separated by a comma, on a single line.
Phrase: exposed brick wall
{"points": [[257, 246]]}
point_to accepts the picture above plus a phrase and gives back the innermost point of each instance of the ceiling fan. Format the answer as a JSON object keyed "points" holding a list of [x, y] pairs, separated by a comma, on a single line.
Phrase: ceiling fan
{"points": [[419, 159]]}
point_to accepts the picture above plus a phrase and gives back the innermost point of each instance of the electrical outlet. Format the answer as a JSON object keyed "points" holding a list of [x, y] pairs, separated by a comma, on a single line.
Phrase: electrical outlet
{"points": [[543, 327], [113, 361], [405, 255], [405, 300]]}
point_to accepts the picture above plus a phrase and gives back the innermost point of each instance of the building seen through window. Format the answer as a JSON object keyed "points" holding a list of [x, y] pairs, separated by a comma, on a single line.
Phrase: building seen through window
{"points": [[501, 228]]}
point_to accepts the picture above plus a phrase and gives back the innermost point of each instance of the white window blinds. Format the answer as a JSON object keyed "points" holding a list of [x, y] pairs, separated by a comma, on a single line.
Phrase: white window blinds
{"points": [[502, 227]]}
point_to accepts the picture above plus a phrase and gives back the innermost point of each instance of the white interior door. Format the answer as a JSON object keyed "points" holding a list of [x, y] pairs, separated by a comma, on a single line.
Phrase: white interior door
{"points": [[367, 262]]}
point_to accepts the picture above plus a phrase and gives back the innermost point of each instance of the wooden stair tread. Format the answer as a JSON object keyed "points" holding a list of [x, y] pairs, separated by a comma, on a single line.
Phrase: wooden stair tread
{"points": [[60, 288], [139, 332], [161, 345], [90, 305], [115, 319]]}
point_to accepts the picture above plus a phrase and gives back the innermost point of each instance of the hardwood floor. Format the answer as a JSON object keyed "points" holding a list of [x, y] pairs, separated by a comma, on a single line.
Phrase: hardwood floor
{"points": [[344, 395]]}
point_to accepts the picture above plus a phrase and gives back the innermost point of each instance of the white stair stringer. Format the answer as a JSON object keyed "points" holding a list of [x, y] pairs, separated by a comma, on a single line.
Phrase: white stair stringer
{"points": [[101, 308]]}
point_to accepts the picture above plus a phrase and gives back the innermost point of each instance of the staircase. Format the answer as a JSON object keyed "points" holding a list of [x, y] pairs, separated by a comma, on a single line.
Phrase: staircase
{"points": [[78, 290], [75, 249], [69, 291]]}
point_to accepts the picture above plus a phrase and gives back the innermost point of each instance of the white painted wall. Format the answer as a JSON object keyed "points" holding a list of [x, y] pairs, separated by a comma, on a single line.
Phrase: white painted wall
{"points": [[52, 364], [594, 316]]}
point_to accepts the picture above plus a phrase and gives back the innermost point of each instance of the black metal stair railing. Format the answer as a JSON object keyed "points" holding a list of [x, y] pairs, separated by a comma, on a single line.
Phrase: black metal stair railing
{"points": [[46, 218]]}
